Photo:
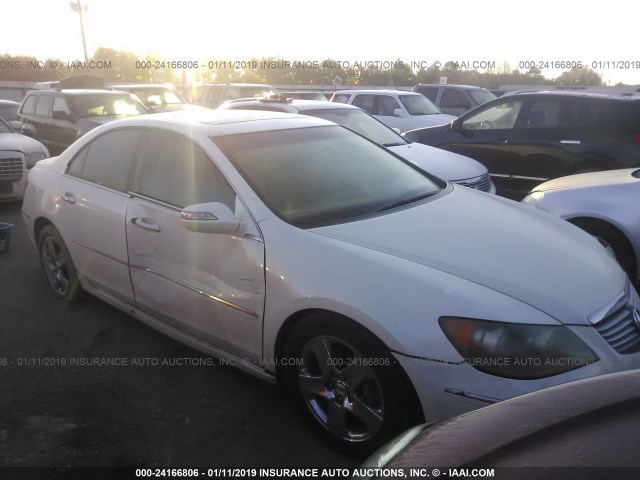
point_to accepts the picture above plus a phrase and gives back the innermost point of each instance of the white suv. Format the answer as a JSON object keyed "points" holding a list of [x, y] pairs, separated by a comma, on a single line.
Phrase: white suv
{"points": [[396, 109], [441, 163], [18, 154]]}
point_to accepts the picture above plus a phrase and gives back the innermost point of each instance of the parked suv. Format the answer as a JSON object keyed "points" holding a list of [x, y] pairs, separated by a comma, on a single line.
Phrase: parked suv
{"points": [[528, 138], [156, 97], [58, 118], [212, 95], [449, 166], [454, 99], [18, 154], [395, 108]]}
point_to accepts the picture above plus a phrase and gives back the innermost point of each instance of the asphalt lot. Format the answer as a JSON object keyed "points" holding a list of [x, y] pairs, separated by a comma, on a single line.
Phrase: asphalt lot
{"points": [[147, 414]]}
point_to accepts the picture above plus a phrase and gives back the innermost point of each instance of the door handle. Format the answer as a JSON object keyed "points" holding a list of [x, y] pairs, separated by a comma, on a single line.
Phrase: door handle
{"points": [[501, 141], [147, 223], [69, 197], [570, 142]]}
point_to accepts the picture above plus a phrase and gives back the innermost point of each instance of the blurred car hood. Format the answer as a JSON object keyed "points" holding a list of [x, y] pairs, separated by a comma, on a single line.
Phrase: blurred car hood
{"points": [[510, 248], [593, 179], [19, 142], [441, 163]]}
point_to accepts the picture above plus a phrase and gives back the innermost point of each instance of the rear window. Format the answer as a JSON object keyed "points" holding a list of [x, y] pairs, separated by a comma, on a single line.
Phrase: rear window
{"points": [[615, 116]]}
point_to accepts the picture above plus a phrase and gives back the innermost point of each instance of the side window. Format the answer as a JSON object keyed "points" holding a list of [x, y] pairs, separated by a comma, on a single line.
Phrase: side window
{"points": [[365, 102], [176, 171], [499, 116], [386, 105], [341, 98], [614, 117], [452, 98], [60, 105], [554, 113], [429, 92], [43, 106], [107, 160], [29, 104]]}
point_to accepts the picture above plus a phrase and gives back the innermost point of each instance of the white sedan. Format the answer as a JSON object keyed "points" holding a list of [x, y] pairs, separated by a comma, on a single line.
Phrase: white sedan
{"points": [[604, 204], [306, 254]]}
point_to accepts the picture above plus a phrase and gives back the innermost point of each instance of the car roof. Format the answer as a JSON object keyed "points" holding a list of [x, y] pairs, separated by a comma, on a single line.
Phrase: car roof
{"points": [[293, 104], [465, 87], [142, 86], [223, 122], [628, 97], [236, 84], [8, 102], [388, 91], [76, 92]]}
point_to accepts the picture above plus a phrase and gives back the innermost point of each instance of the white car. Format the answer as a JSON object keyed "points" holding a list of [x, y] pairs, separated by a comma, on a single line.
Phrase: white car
{"points": [[304, 253], [395, 108], [604, 204], [18, 154], [441, 163]]}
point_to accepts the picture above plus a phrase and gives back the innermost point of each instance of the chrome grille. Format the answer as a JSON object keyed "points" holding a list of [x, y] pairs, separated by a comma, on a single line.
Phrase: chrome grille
{"points": [[11, 168], [620, 330], [483, 183]]}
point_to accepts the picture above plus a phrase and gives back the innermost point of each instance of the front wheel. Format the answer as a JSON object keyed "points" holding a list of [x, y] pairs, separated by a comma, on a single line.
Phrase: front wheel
{"points": [[347, 384], [58, 266]]}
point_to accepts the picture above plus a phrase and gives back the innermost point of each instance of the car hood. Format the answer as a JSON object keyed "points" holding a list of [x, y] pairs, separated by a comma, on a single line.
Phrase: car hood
{"points": [[19, 142], [587, 180], [507, 247], [441, 163]]}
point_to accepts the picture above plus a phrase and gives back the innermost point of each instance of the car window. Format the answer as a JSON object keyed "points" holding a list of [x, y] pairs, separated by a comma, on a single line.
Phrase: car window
{"points": [[360, 122], [386, 105], [418, 105], [481, 96], [107, 159], [97, 105], [29, 104], [341, 98], [614, 117], [429, 92], [555, 113], [452, 98], [365, 102], [43, 105], [323, 175], [499, 116], [174, 170], [60, 105]]}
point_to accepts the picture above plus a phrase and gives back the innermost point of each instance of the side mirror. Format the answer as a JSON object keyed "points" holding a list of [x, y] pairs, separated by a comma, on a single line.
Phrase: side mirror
{"points": [[397, 130], [209, 218], [16, 125], [398, 112], [456, 126]]}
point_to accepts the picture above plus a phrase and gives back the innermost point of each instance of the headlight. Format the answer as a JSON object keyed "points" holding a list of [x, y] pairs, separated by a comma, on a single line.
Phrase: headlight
{"points": [[33, 157], [517, 351], [533, 198]]}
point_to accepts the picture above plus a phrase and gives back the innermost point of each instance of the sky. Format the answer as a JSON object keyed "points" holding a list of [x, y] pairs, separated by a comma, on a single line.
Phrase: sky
{"points": [[349, 31]]}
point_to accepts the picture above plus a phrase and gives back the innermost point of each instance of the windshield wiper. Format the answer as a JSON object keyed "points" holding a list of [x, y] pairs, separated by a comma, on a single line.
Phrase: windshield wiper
{"points": [[406, 201], [397, 144]]}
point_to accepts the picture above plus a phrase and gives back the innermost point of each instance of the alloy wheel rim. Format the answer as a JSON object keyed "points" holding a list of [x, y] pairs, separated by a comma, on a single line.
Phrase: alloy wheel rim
{"points": [[55, 266], [341, 389]]}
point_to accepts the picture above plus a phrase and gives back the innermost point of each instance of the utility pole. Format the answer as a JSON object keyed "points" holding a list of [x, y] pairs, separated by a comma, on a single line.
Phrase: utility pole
{"points": [[78, 7]]}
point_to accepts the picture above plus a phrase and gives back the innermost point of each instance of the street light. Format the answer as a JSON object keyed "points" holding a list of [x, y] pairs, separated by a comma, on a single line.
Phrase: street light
{"points": [[78, 7]]}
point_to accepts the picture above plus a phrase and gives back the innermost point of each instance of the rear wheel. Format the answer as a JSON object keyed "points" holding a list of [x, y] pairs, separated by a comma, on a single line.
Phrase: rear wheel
{"points": [[613, 240], [58, 266], [347, 384]]}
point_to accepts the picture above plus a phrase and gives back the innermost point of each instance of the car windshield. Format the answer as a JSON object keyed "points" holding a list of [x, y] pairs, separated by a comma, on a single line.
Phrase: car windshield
{"points": [[9, 111], [481, 96], [154, 97], [100, 105], [4, 128], [362, 123], [319, 176], [418, 105]]}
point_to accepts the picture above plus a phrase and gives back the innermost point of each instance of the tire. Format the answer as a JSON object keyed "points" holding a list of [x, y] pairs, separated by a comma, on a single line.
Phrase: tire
{"points": [[612, 239], [347, 384], [57, 266]]}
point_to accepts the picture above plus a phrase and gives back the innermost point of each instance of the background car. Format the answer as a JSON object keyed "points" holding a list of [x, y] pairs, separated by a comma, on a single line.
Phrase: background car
{"points": [[18, 154], [395, 108], [9, 113], [454, 99], [57, 118], [157, 97], [586, 426], [526, 139], [212, 95], [305, 95], [443, 164], [303, 253], [604, 204]]}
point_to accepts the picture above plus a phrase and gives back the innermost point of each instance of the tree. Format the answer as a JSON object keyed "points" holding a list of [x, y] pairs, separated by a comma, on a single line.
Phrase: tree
{"points": [[580, 76]]}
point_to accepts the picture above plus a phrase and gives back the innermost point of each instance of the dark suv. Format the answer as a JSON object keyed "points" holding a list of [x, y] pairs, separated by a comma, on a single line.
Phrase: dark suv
{"points": [[529, 138], [57, 118]]}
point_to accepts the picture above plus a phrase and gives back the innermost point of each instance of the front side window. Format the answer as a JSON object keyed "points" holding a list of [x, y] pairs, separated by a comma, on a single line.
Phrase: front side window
{"points": [[341, 97], [60, 105], [176, 171], [499, 116], [107, 160], [418, 105], [97, 105], [366, 103], [386, 106], [452, 98], [323, 175]]}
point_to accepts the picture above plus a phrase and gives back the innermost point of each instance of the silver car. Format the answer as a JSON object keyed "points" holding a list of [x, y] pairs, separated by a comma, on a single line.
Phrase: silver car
{"points": [[604, 204]]}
